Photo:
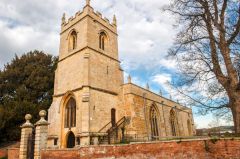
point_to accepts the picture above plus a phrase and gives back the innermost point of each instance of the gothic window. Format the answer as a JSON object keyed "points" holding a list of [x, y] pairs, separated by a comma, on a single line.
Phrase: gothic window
{"points": [[154, 122], [72, 41], [102, 40], [70, 113], [173, 122]]}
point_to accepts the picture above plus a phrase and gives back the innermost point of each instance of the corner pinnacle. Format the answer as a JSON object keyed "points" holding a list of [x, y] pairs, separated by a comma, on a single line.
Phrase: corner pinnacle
{"points": [[87, 2], [114, 20]]}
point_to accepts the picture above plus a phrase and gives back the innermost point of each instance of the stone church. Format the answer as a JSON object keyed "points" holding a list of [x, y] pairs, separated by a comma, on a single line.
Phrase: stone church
{"points": [[92, 104]]}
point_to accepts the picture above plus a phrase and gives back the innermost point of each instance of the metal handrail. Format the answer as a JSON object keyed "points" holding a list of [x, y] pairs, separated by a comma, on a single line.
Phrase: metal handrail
{"points": [[112, 128], [118, 124], [104, 126]]}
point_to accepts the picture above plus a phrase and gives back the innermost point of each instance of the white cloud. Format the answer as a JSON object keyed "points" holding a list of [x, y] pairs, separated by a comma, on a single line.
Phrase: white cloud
{"points": [[162, 79], [21, 39], [145, 31], [168, 63], [31, 25]]}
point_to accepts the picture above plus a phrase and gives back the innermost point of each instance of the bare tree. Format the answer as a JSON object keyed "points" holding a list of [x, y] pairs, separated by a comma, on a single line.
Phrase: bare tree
{"points": [[207, 49], [214, 126]]}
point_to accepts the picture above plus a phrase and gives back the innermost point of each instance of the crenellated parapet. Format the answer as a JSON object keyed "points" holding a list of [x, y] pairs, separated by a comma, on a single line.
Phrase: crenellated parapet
{"points": [[88, 11]]}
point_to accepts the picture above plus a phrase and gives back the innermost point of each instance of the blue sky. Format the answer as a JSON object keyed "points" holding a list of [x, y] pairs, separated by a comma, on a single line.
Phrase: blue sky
{"points": [[145, 35]]}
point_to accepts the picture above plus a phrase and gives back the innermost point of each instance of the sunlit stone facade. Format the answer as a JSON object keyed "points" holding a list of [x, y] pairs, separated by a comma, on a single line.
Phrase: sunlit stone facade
{"points": [[90, 93]]}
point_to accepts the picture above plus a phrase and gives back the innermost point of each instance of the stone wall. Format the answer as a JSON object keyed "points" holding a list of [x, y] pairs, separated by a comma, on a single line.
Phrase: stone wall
{"points": [[89, 74], [196, 149], [13, 153], [137, 104], [3, 153]]}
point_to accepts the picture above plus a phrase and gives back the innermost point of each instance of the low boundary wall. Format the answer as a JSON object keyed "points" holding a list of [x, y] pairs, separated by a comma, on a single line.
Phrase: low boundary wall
{"points": [[185, 149], [13, 153], [3, 153]]}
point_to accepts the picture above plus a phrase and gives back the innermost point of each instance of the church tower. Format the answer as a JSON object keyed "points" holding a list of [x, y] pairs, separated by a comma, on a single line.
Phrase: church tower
{"points": [[87, 79]]}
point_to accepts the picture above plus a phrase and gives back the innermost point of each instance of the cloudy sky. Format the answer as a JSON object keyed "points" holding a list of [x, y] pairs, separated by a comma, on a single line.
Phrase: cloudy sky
{"points": [[145, 35]]}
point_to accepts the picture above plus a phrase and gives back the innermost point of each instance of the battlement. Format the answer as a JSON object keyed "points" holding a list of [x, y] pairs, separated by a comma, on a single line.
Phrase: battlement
{"points": [[98, 14], [88, 11]]}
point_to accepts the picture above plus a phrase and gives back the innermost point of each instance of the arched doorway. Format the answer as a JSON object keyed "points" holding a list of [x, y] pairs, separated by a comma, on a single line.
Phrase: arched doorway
{"points": [[154, 123], [70, 140]]}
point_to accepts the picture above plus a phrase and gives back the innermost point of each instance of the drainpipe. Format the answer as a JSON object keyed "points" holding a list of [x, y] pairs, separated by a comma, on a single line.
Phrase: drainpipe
{"points": [[145, 111]]}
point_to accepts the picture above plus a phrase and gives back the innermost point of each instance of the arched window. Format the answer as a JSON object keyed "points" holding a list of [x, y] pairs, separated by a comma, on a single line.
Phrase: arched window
{"points": [[189, 127], [102, 40], [72, 41], [173, 122], [154, 122], [70, 113]]}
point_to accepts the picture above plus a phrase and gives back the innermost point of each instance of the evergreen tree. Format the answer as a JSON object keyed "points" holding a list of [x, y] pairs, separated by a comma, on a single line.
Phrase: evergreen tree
{"points": [[26, 86]]}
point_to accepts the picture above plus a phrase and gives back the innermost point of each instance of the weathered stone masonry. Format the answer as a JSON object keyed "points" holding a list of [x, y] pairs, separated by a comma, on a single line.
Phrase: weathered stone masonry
{"points": [[91, 99]]}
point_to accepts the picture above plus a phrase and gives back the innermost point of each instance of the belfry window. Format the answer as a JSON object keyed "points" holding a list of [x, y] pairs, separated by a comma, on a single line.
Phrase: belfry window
{"points": [[173, 122], [72, 41], [70, 113], [154, 122], [102, 40]]}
